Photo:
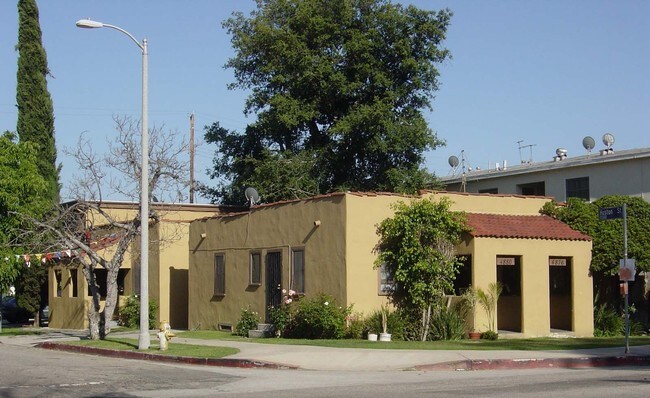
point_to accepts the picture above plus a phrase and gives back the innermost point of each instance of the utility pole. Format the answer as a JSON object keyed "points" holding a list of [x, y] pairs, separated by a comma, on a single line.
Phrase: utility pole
{"points": [[192, 157]]}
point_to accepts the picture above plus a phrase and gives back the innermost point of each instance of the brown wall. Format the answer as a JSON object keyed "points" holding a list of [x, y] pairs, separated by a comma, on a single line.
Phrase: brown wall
{"points": [[265, 229]]}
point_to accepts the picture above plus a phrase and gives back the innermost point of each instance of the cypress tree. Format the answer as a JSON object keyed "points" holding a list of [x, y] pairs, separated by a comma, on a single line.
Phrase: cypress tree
{"points": [[35, 110]]}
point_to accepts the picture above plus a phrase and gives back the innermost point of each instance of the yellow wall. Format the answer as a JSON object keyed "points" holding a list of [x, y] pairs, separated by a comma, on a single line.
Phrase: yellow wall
{"points": [[491, 204], [363, 215], [339, 256], [365, 211], [535, 253], [168, 256]]}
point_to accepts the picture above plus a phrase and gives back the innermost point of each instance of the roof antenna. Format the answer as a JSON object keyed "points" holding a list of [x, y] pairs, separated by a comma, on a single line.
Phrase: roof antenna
{"points": [[530, 147]]}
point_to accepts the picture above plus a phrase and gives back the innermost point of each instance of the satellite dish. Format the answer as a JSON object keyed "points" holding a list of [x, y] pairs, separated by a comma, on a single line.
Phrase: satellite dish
{"points": [[588, 143], [608, 139], [252, 196], [561, 152], [453, 161]]}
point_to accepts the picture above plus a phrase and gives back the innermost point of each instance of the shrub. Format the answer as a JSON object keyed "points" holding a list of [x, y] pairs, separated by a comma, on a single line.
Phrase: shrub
{"points": [[129, 314], [394, 320], [280, 317], [317, 317], [607, 322], [489, 335], [447, 323], [355, 326], [247, 321]]}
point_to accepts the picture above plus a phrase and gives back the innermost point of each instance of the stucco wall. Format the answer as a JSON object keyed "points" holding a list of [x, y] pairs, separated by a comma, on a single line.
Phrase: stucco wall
{"points": [[168, 266], [535, 301], [494, 204], [625, 177], [339, 257], [281, 227], [363, 215]]}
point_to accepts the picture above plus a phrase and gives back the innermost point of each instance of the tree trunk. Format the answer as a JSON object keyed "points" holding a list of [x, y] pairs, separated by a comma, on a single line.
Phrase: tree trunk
{"points": [[111, 302], [37, 318], [426, 322], [93, 320], [93, 311]]}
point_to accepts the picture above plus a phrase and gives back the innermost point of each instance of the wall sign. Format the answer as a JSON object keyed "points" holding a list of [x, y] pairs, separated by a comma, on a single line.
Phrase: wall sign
{"points": [[505, 261], [557, 262]]}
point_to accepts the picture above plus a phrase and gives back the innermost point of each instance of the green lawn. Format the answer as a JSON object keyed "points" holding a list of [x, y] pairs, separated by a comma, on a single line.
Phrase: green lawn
{"points": [[18, 331], [174, 349], [537, 344]]}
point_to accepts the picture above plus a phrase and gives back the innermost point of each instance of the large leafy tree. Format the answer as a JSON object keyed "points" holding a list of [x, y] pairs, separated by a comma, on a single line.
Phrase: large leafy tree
{"points": [[20, 187], [417, 247], [338, 87], [607, 235], [35, 111]]}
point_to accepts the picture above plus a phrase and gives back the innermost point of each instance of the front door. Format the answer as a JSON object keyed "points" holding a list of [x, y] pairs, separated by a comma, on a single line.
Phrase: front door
{"points": [[273, 281], [560, 293], [509, 304]]}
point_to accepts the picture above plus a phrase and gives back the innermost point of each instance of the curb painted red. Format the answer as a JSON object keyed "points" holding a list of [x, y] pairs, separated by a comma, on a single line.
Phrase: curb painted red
{"points": [[225, 362], [560, 363]]}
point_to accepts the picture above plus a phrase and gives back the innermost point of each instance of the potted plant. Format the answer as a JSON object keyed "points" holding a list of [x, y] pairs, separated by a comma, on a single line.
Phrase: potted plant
{"points": [[384, 335], [467, 305]]}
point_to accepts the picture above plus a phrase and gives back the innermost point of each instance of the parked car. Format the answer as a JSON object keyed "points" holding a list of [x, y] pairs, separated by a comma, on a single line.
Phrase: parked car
{"points": [[11, 312], [45, 316]]}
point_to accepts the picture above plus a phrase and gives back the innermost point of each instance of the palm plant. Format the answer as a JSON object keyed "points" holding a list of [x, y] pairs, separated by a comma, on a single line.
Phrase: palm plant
{"points": [[488, 301]]}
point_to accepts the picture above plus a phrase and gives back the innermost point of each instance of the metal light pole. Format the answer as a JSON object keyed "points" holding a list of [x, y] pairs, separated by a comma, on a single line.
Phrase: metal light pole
{"points": [[144, 339]]}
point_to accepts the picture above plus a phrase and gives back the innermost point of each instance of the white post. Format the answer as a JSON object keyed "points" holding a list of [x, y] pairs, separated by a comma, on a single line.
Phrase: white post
{"points": [[144, 339], [627, 309]]}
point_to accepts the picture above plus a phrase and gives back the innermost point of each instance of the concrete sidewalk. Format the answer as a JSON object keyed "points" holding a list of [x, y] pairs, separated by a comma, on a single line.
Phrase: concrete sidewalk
{"points": [[354, 359]]}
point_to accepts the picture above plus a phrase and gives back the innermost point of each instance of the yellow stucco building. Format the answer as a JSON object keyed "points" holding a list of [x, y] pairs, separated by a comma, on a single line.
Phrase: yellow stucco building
{"points": [[68, 293], [325, 244]]}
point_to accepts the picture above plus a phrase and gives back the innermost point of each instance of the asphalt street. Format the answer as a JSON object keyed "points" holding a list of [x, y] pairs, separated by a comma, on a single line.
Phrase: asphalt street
{"points": [[35, 372]]}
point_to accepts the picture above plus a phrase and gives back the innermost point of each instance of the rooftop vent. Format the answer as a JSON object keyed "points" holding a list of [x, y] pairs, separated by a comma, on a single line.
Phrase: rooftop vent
{"points": [[560, 153]]}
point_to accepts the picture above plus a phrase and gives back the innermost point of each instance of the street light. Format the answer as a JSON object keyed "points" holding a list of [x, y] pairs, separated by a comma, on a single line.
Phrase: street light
{"points": [[144, 340]]}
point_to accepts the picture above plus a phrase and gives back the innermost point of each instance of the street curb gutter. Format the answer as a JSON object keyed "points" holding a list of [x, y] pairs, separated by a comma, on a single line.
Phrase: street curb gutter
{"points": [[560, 363], [225, 362]]}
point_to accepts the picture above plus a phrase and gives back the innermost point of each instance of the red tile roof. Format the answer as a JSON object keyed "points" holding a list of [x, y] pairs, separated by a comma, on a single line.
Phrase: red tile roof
{"points": [[523, 227]]}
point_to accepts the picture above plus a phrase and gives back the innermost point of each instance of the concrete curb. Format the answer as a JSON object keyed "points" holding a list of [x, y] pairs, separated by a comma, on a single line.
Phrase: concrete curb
{"points": [[560, 363], [225, 362]]}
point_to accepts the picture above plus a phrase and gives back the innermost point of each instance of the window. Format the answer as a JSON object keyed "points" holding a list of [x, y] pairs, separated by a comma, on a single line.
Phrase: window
{"points": [[59, 278], [73, 280], [219, 275], [577, 188], [489, 190], [298, 270], [255, 271], [532, 189], [464, 276], [386, 281], [100, 280]]}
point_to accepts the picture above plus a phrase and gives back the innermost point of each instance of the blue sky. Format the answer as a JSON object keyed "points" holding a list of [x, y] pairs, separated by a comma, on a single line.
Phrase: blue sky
{"points": [[547, 73]]}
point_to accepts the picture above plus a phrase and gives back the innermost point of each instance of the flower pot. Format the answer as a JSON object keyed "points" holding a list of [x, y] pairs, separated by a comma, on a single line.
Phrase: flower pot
{"points": [[475, 335], [384, 336], [372, 337]]}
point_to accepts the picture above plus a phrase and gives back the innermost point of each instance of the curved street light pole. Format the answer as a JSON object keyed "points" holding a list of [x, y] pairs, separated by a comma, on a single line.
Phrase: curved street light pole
{"points": [[144, 339]]}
